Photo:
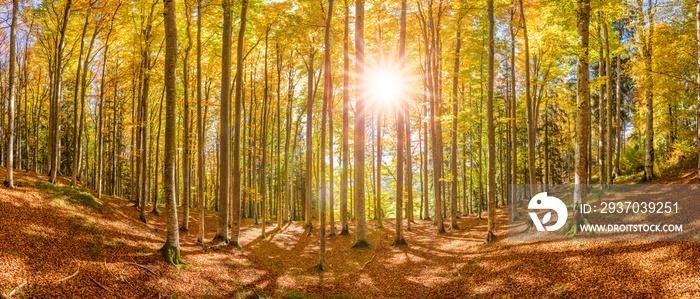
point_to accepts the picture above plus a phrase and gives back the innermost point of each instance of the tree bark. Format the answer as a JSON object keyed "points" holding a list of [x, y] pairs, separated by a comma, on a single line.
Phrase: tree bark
{"points": [[171, 249], [359, 144], [9, 181], [531, 125], [582, 109], [610, 146], [186, 173], [222, 234], [453, 146], [236, 196], [200, 128], [490, 127], [54, 122]]}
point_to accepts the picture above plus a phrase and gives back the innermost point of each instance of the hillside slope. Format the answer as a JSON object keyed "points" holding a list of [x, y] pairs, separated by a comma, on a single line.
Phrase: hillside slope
{"points": [[63, 243]]}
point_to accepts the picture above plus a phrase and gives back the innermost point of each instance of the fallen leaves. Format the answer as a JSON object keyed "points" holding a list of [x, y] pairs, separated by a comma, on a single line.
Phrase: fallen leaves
{"points": [[58, 244]]}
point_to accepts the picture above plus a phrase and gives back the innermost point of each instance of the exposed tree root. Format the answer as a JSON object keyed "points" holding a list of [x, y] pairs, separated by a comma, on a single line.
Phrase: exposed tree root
{"points": [[142, 267], [367, 262], [67, 277], [9, 295], [489, 237], [344, 232], [400, 242], [361, 244], [171, 254]]}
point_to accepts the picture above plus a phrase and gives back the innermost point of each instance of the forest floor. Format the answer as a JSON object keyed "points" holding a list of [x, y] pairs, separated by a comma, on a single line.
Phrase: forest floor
{"points": [[64, 244]]}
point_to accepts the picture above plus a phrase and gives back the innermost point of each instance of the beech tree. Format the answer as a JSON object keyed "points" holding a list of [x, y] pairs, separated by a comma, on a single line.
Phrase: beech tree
{"points": [[171, 249]]}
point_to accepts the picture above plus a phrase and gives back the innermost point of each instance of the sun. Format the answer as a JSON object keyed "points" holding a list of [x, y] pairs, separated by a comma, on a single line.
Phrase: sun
{"points": [[385, 86]]}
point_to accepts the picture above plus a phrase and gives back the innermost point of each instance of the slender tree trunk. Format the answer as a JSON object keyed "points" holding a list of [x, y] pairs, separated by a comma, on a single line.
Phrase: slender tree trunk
{"points": [[11, 97], [278, 187], [327, 95], [601, 117], [531, 125], [359, 144], [309, 135], [648, 93], [236, 196], [378, 199], [54, 123], [582, 109], [514, 123], [222, 233], [401, 115], [201, 197], [171, 249], [491, 131], [186, 172], [76, 144], [157, 152], [346, 106], [697, 16], [453, 146], [610, 146], [263, 132], [426, 190]]}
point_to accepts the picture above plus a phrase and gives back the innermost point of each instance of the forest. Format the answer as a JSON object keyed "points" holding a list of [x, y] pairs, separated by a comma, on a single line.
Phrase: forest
{"points": [[314, 149]]}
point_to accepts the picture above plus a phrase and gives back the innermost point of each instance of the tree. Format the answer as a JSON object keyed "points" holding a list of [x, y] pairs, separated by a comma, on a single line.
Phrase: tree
{"points": [[309, 133], [54, 107], [645, 36], [582, 110], [236, 196], [100, 161], [346, 106], [608, 71], [11, 97], [171, 249], [531, 125], [490, 127], [359, 144], [697, 19], [401, 114], [327, 94], [222, 233], [200, 127], [186, 173], [453, 146]]}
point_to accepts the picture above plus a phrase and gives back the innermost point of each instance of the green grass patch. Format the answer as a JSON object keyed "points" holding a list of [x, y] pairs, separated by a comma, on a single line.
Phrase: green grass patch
{"points": [[73, 196]]}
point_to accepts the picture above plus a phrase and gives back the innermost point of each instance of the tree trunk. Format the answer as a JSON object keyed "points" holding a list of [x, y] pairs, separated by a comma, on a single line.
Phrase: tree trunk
{"points": [[11, 97], [378, 199], [601, 117], [648, 93], [186, 173], [514, 123], [171, 249], [346, 106], [490, 127], [359, 144], [76, 145], [222, 234], [54, 123], [263, 132], [531, 125], [453, 146], [610, 147], [309, 135], [200, 128], [582, 109], [236, 196], [401, 113]]}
